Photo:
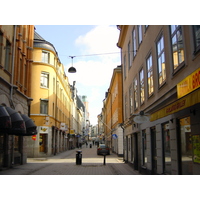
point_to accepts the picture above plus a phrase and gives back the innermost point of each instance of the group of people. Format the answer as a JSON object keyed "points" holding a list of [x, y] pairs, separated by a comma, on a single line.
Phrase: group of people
{"points": [[90, 145]]}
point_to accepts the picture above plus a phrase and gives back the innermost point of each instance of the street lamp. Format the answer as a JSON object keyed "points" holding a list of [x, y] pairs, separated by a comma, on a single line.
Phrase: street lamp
{"points": [[72, 69]]}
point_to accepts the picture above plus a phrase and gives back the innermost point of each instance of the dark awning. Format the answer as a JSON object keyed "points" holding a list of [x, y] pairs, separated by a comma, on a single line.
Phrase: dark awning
{"points": [[14, 123], [5, 120], [18, 124], [31, 128]]}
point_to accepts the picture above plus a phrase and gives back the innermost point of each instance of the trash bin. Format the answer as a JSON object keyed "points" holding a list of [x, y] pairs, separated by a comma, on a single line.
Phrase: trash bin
{"points": [[90, 145], [79, 157]]}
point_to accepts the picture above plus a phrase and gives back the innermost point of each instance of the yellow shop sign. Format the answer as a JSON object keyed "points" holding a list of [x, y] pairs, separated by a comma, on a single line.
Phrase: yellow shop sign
{"points": [[178, 105], [189, 84]]}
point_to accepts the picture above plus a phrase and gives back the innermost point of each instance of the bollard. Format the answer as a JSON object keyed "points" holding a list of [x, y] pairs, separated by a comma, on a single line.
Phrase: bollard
{"points": [[104, 158], [79, 157]]}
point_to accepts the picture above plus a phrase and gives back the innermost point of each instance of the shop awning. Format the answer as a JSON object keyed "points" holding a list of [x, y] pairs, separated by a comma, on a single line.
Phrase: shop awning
{"points": [[21, 124], [18, 124], [31, 128], [5, 120]]}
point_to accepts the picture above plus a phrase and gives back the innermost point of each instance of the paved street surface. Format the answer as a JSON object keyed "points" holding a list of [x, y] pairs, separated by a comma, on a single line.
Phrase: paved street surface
{"points": [[65, 164]]}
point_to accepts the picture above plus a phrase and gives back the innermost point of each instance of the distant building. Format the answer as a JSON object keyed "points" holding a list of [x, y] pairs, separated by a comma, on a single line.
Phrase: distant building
{"points": [[111, 115]]}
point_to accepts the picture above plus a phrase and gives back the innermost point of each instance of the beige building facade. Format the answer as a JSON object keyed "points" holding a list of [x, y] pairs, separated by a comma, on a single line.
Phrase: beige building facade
{"points": [[161, 97]]}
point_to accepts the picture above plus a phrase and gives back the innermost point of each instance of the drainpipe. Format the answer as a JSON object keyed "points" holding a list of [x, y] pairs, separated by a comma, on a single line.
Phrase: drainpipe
{"points": [[13, 65], [11, 91]]}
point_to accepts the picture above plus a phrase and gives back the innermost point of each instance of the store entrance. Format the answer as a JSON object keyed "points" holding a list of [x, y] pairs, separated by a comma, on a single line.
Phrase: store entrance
{"points": [[135, 150], [153, 150], [1, 150], [185, 146], [43, 143]]}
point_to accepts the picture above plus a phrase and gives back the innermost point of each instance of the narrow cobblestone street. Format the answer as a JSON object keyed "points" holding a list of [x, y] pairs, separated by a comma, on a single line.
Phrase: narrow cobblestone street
{"points": [[65, 164]]}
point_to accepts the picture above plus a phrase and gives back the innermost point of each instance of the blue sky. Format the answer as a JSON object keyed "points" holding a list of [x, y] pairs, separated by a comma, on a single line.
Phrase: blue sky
{"points": [[94, 72]]}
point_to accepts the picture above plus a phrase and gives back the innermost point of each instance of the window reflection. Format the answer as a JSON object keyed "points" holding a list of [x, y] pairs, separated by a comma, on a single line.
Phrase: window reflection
{"points": [[177, 45], [144, 148], [167, 149]]}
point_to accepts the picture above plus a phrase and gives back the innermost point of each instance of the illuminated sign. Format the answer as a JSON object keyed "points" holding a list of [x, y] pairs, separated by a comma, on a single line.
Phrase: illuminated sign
{"points": [[189, 84]]}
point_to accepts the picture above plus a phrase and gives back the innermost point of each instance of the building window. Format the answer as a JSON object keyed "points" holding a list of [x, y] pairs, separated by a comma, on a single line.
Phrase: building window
{"points": [[131, 100], [142, 86], [45, 56], [177, 45], [1, 46], [134, 43], [8, 56], [139, 34], [166, 148], [144, 149], [16, 143], [196, 30], [126, 107], [124, 66], [135, 89], [44, 106], [44, 79], [129, 55], [54, 87], [150, 75], [161, 61]]}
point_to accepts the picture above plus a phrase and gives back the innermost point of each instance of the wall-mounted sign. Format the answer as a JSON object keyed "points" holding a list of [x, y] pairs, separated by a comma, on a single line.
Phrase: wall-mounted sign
{"points": [[63, 127], [44, 129], [189, 84], [141, 119], [34, 137]]}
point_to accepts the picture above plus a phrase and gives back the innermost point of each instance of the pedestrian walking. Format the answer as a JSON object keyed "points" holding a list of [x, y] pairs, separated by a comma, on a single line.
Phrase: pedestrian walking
{"points": [[86, 144]]}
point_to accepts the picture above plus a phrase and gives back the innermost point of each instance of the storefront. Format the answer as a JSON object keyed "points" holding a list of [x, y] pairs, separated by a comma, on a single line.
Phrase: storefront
{"points": [[178, 131], [14, 126]]}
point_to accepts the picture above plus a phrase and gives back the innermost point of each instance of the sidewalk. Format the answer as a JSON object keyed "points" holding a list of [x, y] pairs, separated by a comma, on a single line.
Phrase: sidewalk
{"points": [[65, 164]]}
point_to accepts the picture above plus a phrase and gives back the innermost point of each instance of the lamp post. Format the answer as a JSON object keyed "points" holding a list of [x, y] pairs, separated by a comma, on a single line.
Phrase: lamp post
{"points": [[72, 69]]}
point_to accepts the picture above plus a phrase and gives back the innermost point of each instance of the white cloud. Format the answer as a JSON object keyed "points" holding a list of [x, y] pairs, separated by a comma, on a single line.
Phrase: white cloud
{"points": [[101, 39], [94, 72]]}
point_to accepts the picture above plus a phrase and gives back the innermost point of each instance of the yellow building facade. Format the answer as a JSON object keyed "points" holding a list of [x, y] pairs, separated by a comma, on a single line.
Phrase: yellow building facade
{"points": [[51, 105], [112, 113]]}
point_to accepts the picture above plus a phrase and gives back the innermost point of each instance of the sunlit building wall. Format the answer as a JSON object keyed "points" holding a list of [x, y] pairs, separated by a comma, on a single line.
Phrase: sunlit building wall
{"points": [[160, 68], [112, 113], [16, 47], [51, 105]]}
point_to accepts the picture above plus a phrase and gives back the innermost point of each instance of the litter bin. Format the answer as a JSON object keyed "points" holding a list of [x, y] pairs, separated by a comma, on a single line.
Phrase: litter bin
{"points": [[90, 145], [79, 157]]}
